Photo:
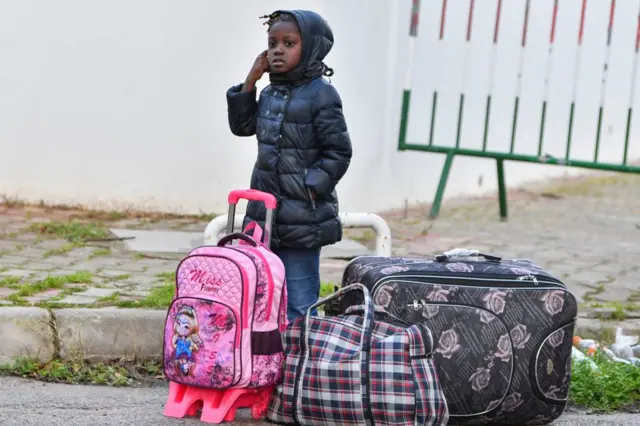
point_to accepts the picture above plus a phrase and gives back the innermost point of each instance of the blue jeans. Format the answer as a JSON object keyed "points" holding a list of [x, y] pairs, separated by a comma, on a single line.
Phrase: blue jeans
{"points": [[302, 271]]}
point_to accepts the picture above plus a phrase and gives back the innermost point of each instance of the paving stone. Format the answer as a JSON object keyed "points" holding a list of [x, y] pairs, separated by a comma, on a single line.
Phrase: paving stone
{"points": [[131, 266], [111, 273], [613, 269], [93, 292], [77, 285], [159, 265], [72, 269], [22, 273], [122, 285], [103, 262], [160, 241], [580, 292], [137, 280], [43, 265], [75, 299], [590, 279], [87, 297], [62, 272], [81, 253], [619, 294], [32, 253], [27, 238], [601, 313], [38, 276], [62, 261], [10, 259], [155, 272], [137, 294], [6, 292], [45, 295], [7, 245], [51, 244]]}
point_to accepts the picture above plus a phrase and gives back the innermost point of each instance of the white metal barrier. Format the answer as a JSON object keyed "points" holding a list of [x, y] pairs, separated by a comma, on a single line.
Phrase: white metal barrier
{"points": [[215, 228]]}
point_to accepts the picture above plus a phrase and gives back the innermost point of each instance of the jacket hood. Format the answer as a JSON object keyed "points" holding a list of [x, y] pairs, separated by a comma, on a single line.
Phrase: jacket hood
{"points": [[317, 41]]}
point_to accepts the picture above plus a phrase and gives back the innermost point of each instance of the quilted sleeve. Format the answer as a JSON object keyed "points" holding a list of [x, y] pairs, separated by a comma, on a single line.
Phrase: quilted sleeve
{"points": [[333, 140], [241, 109]]}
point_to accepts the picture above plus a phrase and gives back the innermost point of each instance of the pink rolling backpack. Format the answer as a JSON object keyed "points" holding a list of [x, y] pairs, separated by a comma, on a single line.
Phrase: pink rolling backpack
{"points": [[223, 328]]}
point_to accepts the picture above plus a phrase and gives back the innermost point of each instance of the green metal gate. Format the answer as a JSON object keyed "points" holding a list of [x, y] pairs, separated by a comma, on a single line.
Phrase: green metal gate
{"points": [[511, 154]]}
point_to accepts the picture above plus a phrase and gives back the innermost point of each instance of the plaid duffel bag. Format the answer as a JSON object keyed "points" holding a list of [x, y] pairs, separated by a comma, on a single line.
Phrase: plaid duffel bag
{"points": [[356, 369]]}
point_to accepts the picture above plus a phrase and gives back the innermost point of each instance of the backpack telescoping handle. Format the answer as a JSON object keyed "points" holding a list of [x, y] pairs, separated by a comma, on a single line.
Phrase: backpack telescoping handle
{"points": [[269, 201]]}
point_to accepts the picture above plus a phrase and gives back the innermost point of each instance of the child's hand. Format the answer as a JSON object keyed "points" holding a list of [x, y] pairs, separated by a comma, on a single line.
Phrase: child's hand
{"points": [[260, 66]]}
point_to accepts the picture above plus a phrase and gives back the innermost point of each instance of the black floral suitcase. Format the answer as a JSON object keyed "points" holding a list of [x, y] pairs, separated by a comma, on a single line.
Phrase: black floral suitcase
{"points": [[503, 330]]}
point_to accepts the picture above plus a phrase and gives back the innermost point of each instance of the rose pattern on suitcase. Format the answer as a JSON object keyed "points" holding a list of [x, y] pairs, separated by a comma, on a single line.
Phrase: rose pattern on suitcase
{"points": [[485, 335]]}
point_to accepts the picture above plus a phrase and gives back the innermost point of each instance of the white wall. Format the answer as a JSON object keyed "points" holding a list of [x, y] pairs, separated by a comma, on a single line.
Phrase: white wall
{"points": [[121, 103]]}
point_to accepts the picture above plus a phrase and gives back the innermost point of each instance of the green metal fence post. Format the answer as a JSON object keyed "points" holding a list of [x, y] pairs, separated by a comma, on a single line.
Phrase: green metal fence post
{"points": [[502, 190], [404, 118], [435, 208]]}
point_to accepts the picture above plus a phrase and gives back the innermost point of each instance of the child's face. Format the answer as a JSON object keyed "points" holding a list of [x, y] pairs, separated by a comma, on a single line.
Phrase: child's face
{"points": [[285, 47]]}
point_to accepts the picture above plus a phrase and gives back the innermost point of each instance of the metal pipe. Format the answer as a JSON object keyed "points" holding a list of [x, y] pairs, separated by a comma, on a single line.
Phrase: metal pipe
{"points": [[349, 220]]}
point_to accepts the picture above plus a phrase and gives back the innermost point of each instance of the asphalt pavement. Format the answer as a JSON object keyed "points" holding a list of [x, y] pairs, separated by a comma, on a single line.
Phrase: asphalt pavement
{"points": [[27, 402]]}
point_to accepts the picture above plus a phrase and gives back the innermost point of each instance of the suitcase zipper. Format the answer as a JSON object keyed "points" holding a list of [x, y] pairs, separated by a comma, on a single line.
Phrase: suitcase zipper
{"points": [[464, 281], [529, 277]]}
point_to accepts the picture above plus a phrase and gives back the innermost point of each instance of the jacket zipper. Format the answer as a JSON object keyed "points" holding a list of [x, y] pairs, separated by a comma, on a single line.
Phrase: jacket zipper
{"points": [[276, 211]]}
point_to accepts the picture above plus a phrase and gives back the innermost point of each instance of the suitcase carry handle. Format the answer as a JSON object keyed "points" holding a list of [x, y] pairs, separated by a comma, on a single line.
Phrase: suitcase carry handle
{"points": [[368, 315], [269, 201], [237, 236], [459, 252]]}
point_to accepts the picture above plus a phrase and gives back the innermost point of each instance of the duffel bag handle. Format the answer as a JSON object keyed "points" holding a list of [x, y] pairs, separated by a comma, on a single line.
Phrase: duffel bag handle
{"points": [[461, 252], [368, 315]]}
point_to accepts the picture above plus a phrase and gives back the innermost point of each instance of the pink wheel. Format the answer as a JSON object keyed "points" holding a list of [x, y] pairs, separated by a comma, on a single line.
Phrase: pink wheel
{"points": [[259, 409]]}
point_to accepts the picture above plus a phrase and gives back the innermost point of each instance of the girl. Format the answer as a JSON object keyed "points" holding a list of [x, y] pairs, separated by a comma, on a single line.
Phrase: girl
{"points": [[303, 146]]}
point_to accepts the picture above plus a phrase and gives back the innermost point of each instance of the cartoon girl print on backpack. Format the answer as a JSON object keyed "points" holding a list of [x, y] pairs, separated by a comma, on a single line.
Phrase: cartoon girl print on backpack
{"points": [[186, 340]]}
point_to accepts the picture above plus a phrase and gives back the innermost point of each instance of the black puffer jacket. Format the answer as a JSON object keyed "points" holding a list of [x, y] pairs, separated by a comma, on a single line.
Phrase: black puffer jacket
{"points": [[303, 146]]}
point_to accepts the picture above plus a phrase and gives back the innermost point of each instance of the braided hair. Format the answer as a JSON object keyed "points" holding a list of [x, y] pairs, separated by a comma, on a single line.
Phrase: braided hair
{"points": [[277, 17], [286, 17]]}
